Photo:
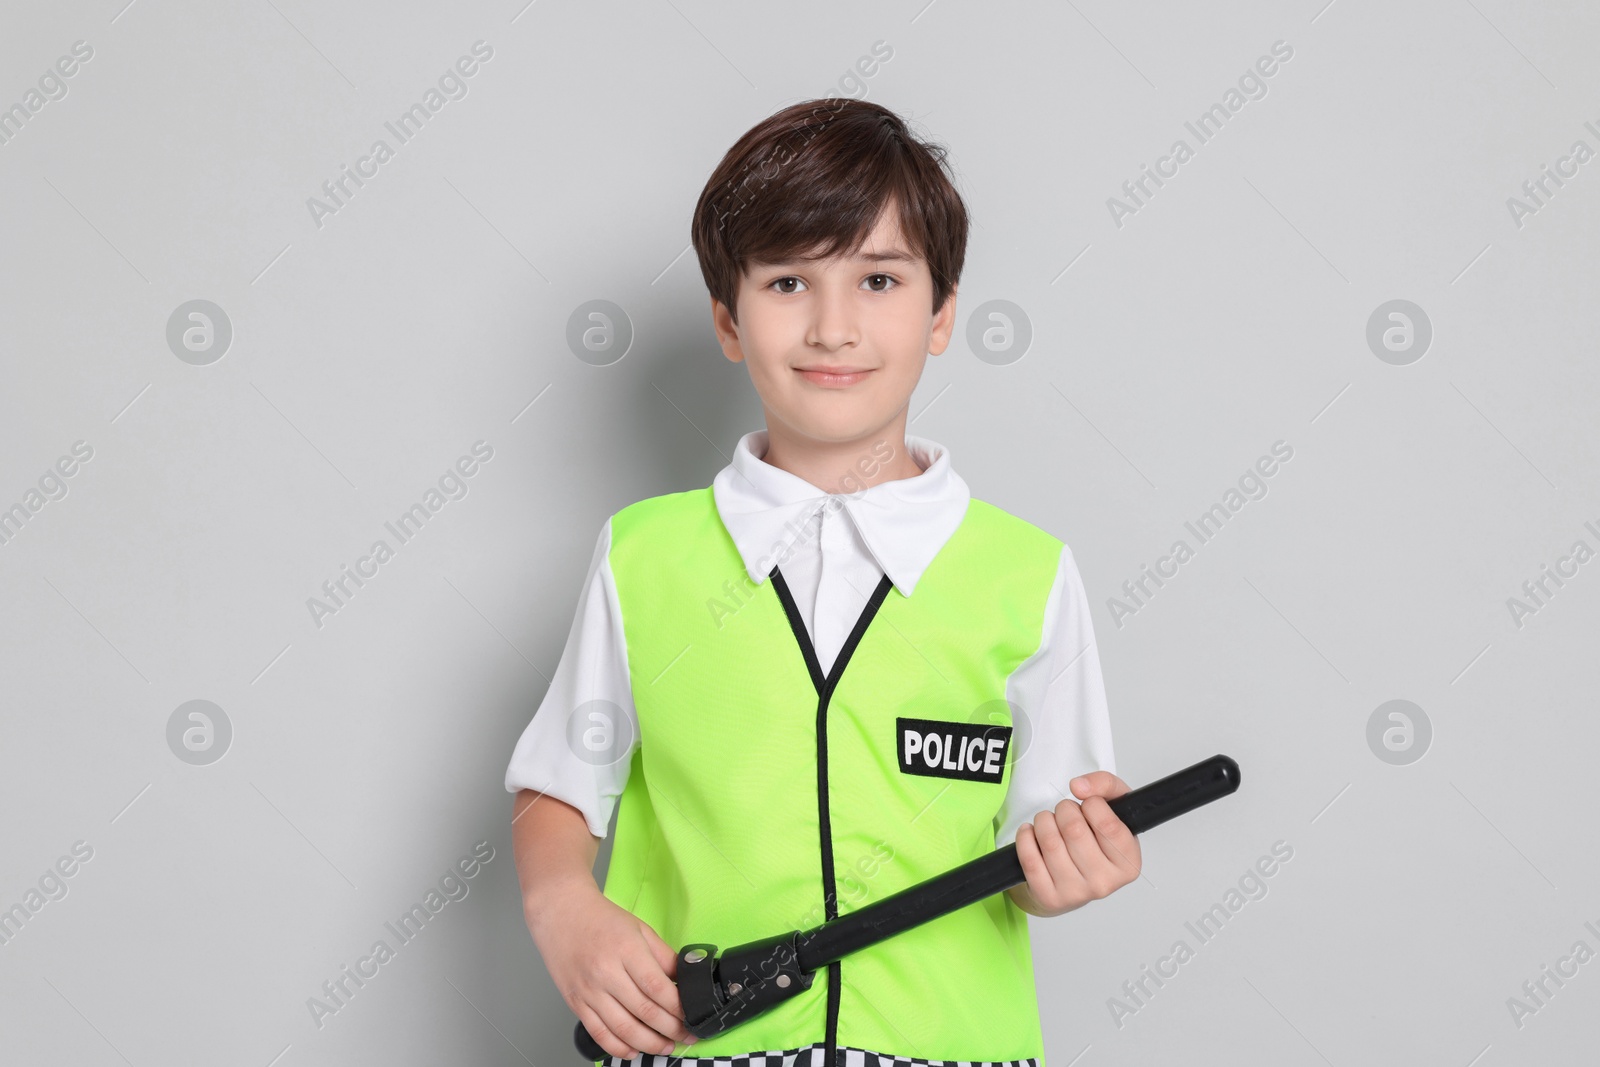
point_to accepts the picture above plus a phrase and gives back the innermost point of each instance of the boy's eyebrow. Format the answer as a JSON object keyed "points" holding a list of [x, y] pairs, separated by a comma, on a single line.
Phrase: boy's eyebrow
{"points": [[893, 253], [888, 255]]}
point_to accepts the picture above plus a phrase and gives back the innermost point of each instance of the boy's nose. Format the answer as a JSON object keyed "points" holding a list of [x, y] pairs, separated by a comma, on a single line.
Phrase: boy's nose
{"points": [[834, 323]]}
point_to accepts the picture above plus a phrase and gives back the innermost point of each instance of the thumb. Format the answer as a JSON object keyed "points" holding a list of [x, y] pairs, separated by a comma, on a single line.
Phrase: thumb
{"points": [[1099, 783], [666, 956]]}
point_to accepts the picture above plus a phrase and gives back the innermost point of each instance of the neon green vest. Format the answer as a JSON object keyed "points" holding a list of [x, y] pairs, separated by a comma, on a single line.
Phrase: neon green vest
{"points": [[764, 799]]}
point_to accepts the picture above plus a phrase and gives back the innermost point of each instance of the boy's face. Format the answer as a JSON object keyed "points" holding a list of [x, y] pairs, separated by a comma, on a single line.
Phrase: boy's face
{"points": [[868, 314]]}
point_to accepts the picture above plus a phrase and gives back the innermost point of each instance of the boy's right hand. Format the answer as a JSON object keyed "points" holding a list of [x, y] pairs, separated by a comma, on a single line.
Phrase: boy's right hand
{"points": [[614, 971]]}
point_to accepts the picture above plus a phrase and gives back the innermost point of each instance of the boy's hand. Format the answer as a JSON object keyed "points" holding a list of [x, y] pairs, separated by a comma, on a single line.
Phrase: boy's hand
{"points": [[1079, 852], [614, 971]]}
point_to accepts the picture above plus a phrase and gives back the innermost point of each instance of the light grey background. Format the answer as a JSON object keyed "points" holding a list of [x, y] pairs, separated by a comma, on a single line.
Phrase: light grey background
{"points": [[431, 312]]}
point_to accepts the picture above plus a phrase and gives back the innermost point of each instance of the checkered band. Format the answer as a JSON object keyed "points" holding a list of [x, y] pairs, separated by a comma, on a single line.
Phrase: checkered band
{"points": [[809, 1056]]}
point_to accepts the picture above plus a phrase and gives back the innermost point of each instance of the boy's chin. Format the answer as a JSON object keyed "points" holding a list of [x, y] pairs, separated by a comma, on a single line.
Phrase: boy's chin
{"points": [[840, 426]]}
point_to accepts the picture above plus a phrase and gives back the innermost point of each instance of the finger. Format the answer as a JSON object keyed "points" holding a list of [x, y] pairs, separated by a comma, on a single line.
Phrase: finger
{"points": [[1116, 840], [1082, 848], [1040, 882], [663, 952], [653, 999], [602, 1033], [1093, 866], [668, 997], [1054, 844], [627, 1026], [1098, 784]]}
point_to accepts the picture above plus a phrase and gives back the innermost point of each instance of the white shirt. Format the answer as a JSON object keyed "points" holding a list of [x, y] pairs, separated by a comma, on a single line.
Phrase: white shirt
{"points": [[833, 548]]}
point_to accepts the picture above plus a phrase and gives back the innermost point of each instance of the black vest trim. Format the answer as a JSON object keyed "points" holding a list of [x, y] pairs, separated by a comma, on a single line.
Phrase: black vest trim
{"points": [[825, 687]]}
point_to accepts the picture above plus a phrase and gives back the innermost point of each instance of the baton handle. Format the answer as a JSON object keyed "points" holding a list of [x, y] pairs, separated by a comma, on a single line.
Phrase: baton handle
{"points": [[1139, 809], [588, 1047]]}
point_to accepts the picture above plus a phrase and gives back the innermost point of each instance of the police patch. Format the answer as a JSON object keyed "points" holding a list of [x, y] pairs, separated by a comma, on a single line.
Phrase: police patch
{"points": [[936, 748]]}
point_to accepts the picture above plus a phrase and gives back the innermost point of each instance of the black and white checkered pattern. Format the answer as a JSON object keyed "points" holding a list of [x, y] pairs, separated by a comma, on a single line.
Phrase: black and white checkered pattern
{"points": [[809, 1056]]}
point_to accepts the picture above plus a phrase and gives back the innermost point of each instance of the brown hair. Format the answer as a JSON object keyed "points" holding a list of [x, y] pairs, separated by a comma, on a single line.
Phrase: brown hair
{"points": [[810, 182]]}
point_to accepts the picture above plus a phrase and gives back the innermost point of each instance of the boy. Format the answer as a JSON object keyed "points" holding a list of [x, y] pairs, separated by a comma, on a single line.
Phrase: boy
{"points": [[761, 786]]}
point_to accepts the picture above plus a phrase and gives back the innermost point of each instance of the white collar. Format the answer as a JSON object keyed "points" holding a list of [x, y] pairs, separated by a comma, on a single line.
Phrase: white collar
{"points": [[904, 522]]}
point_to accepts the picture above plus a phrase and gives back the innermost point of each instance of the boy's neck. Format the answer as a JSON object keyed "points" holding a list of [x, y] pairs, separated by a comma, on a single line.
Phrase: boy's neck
{"points": [[843, 466]]}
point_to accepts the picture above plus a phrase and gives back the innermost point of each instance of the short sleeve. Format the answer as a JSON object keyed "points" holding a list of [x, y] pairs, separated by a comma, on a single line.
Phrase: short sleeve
{"points": [[1060, 690], [579, 744]]}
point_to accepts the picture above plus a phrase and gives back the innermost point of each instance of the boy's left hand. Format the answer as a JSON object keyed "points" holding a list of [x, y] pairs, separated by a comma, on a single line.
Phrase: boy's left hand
{"points": [[1079, 852]]}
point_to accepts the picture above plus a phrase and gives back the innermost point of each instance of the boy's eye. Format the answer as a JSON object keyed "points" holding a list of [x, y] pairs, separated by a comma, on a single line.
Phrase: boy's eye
{"points": [[877, 283]]}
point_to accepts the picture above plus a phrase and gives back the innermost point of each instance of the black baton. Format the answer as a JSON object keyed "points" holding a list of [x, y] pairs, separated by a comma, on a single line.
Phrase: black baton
{"points": [[719, 992]]}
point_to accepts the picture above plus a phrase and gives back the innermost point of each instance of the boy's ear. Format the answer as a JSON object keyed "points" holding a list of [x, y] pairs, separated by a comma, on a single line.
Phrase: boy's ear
{"points": [[944, 324], [727, 332]]}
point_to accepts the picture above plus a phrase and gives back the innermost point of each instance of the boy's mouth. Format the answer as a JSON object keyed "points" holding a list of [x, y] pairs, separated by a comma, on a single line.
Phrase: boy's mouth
{"points": [[834, 377]]}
